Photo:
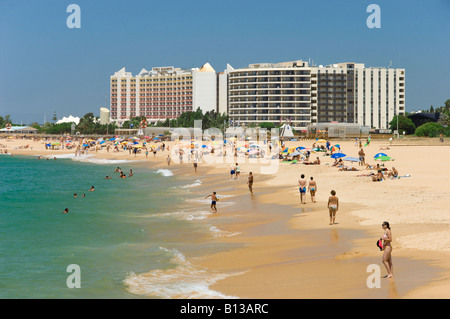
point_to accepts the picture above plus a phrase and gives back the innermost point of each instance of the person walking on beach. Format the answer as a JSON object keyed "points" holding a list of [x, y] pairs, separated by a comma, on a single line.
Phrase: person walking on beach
{"points": [[195, 165], [333, 206], [302, 188], [387, 249], [312, 187], [213, 202], [238, 171], [250, 182]]}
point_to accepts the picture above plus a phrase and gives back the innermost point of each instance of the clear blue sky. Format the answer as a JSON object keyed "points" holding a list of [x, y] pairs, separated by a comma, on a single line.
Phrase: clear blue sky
{"points": [[47, 67]]}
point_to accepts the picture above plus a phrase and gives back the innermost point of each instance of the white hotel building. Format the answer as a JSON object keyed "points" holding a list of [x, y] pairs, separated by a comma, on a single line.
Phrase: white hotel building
{"points": [[306, 95], [162, 93], [295, 92]]}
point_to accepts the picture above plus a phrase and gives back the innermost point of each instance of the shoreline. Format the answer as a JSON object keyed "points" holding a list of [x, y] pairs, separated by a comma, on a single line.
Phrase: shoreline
{"points": [[278, 235]]}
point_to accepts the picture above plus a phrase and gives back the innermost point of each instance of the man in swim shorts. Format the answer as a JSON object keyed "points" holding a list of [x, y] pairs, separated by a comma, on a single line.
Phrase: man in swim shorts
{"points": [[302, 188], [213, 202]]}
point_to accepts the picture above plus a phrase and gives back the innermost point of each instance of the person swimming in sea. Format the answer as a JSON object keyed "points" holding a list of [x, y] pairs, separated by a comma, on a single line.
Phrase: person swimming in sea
{"points": [[65, 211], [92, 189]]}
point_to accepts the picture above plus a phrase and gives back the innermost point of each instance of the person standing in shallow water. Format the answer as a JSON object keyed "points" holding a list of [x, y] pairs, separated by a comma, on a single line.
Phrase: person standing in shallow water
{"points": [[387, 249], [213, 202], [250, 182]]}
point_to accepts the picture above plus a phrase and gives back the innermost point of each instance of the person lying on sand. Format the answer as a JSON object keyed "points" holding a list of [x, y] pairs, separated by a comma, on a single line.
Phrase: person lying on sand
{"points": [[346, 168]]}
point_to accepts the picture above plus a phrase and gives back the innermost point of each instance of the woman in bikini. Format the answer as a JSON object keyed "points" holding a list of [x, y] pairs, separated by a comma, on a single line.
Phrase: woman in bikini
{"points": [[312, 189], [333, 206], [387, 249]]}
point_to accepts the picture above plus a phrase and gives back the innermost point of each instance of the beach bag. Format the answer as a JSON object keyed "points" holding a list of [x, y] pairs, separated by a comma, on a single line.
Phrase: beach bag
{"points": [[380, 243]]}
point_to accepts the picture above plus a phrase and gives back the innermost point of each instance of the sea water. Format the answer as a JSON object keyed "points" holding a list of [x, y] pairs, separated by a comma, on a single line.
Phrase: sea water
{"points": [[128, 236]]}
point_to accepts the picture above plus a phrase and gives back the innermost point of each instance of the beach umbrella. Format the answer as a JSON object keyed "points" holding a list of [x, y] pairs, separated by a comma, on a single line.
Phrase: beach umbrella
{"points": [[338, 155], [204, 146], [351, 159], [383, 158], [379, 155], [252, 152], [338, 145], [300, 148], [161, 135], [295, 154], [102, 142], [334, 149], [112, 139], [85, 145], [321, 141]]}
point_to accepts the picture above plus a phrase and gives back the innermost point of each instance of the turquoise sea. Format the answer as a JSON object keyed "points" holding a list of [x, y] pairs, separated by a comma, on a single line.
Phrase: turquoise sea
{"points": [[129, 237]]}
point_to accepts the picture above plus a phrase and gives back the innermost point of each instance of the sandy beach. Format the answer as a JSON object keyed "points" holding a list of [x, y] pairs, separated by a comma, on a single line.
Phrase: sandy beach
{"points": [[285, 249]]}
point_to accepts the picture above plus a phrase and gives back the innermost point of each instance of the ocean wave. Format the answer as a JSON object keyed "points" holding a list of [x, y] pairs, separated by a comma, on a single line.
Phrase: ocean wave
{"points": [[190, 216], [164, 172], [184, 281], [90, 159], [221, 233], [195, 184]]}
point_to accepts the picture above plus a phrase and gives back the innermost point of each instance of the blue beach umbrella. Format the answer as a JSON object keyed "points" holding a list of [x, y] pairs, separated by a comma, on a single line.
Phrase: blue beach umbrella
{"points": [[379, 155], [338, 155]]}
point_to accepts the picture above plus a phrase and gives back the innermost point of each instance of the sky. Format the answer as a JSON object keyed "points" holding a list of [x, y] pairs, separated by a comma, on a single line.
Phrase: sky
{"points": [[46, 67]]}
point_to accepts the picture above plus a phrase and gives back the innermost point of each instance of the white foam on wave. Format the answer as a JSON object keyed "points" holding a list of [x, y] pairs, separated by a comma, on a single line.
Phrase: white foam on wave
{"points": [[221, 233], [90, 159], [184, 281], [195, 184], [164, 172], [190, 216], [207, 201]]}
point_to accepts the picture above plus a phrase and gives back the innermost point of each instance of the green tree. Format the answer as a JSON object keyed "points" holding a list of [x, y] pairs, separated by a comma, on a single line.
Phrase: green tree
{"points": [[404, 124], [430, 129], [87, 124], [431, 109]]}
